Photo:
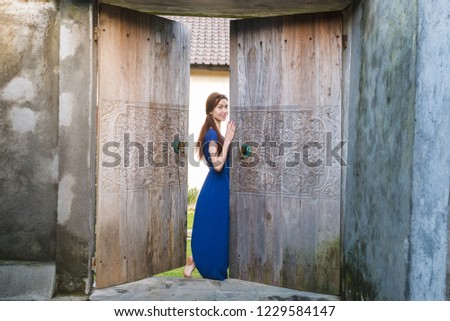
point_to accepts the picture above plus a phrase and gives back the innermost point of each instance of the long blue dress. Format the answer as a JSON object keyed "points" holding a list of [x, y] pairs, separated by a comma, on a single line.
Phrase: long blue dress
{"points": [[210, 232]]}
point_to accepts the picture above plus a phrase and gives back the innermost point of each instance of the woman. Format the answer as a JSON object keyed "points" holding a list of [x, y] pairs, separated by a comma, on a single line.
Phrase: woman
{"points": [[210, 232]]}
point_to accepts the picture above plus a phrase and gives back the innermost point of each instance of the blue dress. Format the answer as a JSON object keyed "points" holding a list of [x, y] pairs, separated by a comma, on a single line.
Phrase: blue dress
{"points": [[210, 232]]}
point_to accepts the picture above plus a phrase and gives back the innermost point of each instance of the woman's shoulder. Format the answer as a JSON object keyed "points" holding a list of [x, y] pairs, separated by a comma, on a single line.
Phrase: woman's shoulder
{"points": [[211, 135]]}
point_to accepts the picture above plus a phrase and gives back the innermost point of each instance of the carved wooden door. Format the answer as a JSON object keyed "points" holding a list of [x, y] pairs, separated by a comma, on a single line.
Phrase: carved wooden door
{"points": [[285, 197], [143, 80]]}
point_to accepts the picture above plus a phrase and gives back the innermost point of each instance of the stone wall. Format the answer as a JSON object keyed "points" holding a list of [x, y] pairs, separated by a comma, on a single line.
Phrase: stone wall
{"points": [[395, 208]]}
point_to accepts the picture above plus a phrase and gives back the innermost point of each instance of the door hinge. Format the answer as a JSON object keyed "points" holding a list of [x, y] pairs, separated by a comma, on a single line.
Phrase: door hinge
{"points": [[95, 33]]}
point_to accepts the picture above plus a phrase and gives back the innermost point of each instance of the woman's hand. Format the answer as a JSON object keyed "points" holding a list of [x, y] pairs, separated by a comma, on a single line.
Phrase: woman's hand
{"points": [[219, 161], [231, 127]]}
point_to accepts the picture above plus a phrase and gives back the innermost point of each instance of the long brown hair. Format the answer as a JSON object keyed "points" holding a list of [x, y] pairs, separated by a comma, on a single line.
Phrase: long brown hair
{"points": [[211, 102]]}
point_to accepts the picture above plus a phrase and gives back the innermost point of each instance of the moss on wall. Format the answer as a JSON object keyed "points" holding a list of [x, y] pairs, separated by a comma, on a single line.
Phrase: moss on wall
{"points": [[72, 252], [356, 286]]}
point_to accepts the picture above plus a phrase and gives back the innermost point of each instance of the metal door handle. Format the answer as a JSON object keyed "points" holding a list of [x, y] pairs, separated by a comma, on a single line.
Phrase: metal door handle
{"points": [[246, 151], [178, 146]]}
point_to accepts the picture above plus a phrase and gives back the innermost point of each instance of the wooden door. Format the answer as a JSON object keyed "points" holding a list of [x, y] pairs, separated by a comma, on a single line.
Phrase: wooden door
{"points": [[285, 198], [143, 80]]}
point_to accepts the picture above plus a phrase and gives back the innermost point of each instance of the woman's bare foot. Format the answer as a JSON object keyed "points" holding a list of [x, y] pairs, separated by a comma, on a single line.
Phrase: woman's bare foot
{"points": [[190, 267]]}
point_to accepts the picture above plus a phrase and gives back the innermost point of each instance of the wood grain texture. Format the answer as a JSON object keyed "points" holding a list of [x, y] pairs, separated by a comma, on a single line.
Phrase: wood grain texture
{"points": [[143, 83], [285, 94]]}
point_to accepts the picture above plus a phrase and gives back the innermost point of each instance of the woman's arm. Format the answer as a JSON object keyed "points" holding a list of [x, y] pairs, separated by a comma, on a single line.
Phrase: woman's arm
{"points": [[219, 161]]}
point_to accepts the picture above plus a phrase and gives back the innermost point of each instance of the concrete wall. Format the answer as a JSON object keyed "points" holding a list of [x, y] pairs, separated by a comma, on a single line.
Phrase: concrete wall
{"points": [[47, 164], [429, 253], [29, 42], [77, 147], [29, 160], [396, 192]]}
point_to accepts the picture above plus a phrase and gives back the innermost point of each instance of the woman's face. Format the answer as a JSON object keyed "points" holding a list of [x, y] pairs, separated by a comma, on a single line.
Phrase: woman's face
{"points": [[220, 112]]}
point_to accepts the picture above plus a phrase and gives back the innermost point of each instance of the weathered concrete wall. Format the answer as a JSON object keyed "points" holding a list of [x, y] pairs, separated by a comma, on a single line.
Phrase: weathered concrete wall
{"points": [[380, 152], [47, 166], [77, 148], [29, 42], [431, 165], [395, 208]]}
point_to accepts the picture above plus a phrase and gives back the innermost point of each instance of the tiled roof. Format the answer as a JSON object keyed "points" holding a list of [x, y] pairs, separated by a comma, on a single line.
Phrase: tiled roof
{"points": [[210, 40]]}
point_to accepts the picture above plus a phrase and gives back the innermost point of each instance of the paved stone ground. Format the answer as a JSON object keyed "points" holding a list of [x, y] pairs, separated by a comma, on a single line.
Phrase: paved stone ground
{"points": [[196, 289]]}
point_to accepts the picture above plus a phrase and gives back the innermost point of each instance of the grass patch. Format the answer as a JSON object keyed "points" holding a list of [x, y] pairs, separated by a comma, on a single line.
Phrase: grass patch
{"points": [[190, 218]]}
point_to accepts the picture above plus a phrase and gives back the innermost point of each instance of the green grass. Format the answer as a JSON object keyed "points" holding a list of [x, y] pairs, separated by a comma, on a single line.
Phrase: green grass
{"points": [[178, 272], [190, 218]]}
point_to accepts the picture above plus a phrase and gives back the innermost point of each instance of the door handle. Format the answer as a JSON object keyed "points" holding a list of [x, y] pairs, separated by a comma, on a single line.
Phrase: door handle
{"points": [[178, 146], [246, 151]]}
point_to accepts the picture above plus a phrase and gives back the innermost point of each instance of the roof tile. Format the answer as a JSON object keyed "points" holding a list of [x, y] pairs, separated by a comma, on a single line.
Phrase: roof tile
{"points": [[210, 39]]}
